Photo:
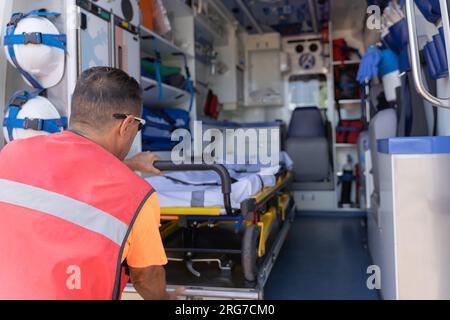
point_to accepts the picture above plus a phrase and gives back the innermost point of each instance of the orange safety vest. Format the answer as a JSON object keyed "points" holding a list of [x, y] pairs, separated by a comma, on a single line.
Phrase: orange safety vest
{"points": [[66, 209]]}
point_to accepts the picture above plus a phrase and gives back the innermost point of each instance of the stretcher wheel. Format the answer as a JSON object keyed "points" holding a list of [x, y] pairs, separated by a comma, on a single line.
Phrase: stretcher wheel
{"points": [[249, 258]]}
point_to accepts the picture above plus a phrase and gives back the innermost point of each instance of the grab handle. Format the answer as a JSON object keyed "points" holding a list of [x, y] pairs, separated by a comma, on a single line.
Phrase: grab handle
{"points": [[414, 52], [217, 168]]}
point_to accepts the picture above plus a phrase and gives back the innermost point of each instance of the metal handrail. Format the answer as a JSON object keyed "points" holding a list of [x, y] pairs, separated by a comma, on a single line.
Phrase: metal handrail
{"points": [[414, 52]]}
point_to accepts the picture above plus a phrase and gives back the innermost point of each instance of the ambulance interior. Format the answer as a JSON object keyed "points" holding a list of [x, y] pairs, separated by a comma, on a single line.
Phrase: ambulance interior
{"points": [[356, 96]]}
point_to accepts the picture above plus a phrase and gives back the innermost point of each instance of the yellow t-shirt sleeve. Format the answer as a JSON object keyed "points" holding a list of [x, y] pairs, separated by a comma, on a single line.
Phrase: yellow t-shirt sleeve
{"points": [[144, 245]]}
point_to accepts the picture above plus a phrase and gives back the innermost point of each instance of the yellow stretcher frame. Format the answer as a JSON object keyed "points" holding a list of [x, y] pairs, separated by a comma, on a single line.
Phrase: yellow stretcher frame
{"points": [[264, 223], [190, 211]]}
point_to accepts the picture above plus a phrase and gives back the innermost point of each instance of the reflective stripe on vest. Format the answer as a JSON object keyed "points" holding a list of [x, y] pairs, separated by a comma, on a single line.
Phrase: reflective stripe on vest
{"points": [[63, 207]]}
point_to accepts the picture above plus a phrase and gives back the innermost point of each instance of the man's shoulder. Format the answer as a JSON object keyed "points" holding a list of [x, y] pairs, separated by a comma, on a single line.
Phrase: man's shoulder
{"points": [[19, 144]]}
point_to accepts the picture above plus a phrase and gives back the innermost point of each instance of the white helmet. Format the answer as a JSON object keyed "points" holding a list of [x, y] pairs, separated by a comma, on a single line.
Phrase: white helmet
{"points": [[38, 49], [37, 116]]}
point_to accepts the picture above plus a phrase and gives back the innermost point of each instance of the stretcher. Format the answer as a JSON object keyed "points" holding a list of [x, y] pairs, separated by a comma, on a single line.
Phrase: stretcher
{"points": [[226, 251], [203, 188]]}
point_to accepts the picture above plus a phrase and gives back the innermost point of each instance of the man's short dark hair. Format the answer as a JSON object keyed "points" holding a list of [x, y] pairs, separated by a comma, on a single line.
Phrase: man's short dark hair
{"points": [[101, 92]]}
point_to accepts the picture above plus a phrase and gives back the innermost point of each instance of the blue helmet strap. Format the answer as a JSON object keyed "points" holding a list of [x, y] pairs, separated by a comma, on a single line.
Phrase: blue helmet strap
{"points": [[14, 106], [189, 83], [190, 89], [11, 39]]}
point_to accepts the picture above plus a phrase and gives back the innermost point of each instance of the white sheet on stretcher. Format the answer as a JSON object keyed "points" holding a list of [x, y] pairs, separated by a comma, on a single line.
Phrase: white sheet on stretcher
{"points": [[202, 188]]}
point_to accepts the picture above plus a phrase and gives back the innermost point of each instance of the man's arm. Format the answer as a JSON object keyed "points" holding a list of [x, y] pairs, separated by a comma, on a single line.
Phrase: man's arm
{"points": [[145, 254], [150, 283]]}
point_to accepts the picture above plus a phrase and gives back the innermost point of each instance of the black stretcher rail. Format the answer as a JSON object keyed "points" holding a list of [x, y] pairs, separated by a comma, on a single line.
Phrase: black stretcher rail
{"points": [[217, 168]]}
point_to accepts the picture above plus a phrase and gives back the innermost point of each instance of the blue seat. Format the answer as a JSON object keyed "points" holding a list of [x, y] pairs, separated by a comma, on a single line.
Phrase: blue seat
{"points": [[308, 146]]}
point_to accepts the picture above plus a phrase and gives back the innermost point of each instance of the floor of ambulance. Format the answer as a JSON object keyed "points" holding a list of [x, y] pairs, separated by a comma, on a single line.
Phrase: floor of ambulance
{"points": [[325, 256]]}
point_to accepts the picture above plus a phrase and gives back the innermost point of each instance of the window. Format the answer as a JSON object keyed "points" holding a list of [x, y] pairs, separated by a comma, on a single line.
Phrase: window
{"points": [[307, 91]]}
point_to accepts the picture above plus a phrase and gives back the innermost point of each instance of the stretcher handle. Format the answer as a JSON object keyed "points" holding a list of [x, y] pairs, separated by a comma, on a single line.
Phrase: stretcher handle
{"points": [[414, 52], [217, 168]]}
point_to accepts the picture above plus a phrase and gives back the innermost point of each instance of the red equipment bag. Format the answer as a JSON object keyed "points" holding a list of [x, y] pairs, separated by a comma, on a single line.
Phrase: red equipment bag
{"points": [[342, 52], [347, 131], [212, 105]]}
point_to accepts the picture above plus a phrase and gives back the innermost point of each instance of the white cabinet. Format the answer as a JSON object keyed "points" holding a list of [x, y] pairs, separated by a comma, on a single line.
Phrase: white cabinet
{"points": [[229, 86], [264, 85]]}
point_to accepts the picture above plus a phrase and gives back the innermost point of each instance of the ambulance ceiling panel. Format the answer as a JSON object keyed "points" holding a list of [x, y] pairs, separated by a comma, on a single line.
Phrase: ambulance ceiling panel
{"points": [[289, 17]]}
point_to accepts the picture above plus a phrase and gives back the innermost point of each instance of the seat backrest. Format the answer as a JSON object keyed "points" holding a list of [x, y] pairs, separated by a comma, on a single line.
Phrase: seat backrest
{"points": [[382, 126], [310, 157], [306, 122], [308, 146]]}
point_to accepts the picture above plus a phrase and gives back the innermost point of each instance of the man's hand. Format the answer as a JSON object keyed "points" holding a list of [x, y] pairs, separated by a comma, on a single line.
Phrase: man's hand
{"points": [[143, 162], [150, 283]]}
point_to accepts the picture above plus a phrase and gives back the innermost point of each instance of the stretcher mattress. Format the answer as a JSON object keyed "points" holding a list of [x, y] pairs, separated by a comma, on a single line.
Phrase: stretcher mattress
{"points": [[203, 188]]}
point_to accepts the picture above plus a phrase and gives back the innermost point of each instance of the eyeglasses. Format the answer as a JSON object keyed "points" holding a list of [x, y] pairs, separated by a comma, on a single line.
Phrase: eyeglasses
{"points": [[120, 116]]}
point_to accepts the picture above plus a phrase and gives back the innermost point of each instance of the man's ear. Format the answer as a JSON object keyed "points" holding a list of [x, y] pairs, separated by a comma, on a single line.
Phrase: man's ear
{"points": [[126, 126]]}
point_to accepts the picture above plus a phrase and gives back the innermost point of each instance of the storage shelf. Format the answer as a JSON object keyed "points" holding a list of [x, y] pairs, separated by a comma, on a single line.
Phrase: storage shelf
{"points": [[345, 145], [349, 62], [171, 96], [349, 101], [151, 41]]}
